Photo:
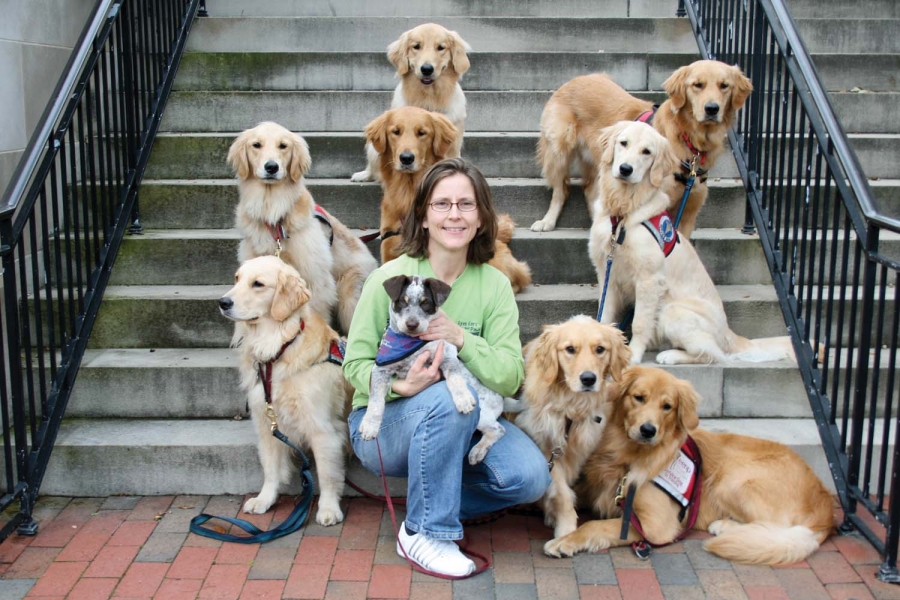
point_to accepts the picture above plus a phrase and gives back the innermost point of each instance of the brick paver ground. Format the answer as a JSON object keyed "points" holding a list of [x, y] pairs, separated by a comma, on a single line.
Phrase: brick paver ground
{"points": [[127, 547]]}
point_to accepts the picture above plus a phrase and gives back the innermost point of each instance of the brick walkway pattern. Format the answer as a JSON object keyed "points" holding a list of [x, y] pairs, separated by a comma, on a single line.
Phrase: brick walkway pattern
{"points": [[139, 547]]}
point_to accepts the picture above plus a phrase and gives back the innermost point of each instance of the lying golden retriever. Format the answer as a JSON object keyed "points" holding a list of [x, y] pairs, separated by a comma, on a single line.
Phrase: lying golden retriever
{"points": [[270, 305], [703, 98], [276, 210], [430, 60], [409, 141], [653, 269], [759, 498], [566, 386]]}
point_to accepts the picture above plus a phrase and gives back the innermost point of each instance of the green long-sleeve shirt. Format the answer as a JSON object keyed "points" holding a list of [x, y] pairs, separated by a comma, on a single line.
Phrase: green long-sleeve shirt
{"points": [[481, 302]]}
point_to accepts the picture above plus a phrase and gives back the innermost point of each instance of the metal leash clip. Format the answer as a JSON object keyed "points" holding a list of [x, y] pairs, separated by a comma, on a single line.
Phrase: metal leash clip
{"points": [[270, 412]]}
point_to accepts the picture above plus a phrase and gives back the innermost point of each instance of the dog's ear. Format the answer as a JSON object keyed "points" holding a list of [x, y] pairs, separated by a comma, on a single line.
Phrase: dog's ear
{"points": [[237, 155], [741, 88], [439, 289], [619, 354], [376, 133], [687, 405], [664, 164], [395, 286], [396, 53], [444, 135], [624, 383], [458, 49], [290, 294], [607, 144], [543, 355], [675, 87], [301, 161]]}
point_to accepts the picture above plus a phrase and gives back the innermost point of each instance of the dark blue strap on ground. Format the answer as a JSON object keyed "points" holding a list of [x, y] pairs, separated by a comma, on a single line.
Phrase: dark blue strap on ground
{"points": [[294, 521]]}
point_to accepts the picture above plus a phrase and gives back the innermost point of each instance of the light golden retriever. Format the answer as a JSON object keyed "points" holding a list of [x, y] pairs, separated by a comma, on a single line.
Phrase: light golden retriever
{"points": [[674, 299], [270, 306], [430, 60], [759, 498], [270, 163], [703, 98], [409, 141], [567, 370]]}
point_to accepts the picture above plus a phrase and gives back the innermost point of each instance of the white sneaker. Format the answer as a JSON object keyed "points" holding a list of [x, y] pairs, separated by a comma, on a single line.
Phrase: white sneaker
{"points": [[440, 556]]}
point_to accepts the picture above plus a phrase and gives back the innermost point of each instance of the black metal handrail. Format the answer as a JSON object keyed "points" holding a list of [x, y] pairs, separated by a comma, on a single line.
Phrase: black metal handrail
{"points": [[63, 217], [822, 233]]}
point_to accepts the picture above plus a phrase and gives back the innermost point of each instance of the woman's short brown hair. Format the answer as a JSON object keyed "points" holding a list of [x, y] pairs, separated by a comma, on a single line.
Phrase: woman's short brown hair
{"points": [[414, 237]]}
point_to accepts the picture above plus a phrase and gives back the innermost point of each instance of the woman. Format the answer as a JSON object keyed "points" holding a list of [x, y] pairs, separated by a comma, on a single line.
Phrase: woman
{"points": [[449, 235]]}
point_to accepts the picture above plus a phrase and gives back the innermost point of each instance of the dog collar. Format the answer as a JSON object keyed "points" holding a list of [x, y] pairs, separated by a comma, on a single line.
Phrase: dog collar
{"points": [[693, 149], [396, 346]]}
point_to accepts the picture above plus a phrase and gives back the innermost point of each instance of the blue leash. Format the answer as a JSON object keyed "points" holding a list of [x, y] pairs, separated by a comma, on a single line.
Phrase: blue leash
{"points": [[294, 521]]}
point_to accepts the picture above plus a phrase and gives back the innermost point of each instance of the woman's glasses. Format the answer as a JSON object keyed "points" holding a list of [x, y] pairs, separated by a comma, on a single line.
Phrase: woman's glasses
{"points": [[446, 205]]}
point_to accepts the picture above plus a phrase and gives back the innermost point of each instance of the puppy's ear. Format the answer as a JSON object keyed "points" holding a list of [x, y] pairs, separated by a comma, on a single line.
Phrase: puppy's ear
{"points": [[237, 155], [458, 49], [290, 294], [395, 286], [439, 289], [664, 164], [675, 87], [607, 144], [376, 133], [543, 355], [396, 53], [742, 88], [619, 355], [687, 405], [444, 135], [300, 158]]}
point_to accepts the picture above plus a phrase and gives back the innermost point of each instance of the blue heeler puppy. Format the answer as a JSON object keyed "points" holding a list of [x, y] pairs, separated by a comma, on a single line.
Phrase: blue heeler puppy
{"points": [[414, 302]]}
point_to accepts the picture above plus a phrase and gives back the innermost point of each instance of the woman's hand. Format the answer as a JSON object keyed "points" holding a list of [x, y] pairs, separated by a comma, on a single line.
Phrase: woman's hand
{"points": [[420, 376], [444, 328]]}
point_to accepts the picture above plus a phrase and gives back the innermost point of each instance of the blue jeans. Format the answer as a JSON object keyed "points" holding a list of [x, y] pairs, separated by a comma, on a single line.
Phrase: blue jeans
{"points": [[427, 440]]}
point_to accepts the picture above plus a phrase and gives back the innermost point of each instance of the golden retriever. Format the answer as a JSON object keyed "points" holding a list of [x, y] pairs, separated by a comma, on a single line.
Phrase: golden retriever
{"points": [[566, 385], [408, 141], [270, 163], [270, 305], [759, 498], [674, 299], [703, 99], [429, 60]]}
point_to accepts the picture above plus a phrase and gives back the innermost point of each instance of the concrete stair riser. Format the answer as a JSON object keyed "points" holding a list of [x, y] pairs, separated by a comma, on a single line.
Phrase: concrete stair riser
{"points": [[210, 204], [291, 71], [337, 155]]}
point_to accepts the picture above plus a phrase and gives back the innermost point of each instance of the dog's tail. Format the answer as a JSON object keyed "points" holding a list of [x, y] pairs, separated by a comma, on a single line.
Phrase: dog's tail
{"points": [[762, 349], [762, 543], [505, 228]]}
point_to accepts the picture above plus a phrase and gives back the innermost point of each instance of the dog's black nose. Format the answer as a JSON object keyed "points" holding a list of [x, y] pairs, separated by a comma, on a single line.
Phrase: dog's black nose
{"points": [[271, 167], [427, 70], [625, 169], [588, 379], [407, 158], [412, 324], [225, 302], [648, 431], [711, 108]]}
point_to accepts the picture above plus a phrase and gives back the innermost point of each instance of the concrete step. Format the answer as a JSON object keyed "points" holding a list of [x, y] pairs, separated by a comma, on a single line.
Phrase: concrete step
{"points": [[811, 9], [190, 111], [219, 456], [187, 316], [208, 257], [483, 34], [501, 71], [512, 34], [437, 8], [209, 204], [497, 154]]}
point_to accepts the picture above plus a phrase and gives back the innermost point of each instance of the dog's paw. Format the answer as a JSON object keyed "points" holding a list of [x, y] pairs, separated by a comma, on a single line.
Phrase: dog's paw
{"points": [[465, 403], [566, 546], [361, 176], [257, 505], [563, 529], [476, 455], [543, 225], [719, 527], [369, 429], [667, 357], [328, 516]]}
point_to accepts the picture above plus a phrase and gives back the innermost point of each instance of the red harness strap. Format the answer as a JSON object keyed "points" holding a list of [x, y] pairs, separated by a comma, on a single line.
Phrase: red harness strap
{"points": [[265, 369], [661, 227]]}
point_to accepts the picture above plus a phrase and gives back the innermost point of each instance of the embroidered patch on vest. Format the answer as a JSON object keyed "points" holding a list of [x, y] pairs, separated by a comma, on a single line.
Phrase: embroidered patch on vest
{"points": [[396, 346], [336, 352], [678, 479]]}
